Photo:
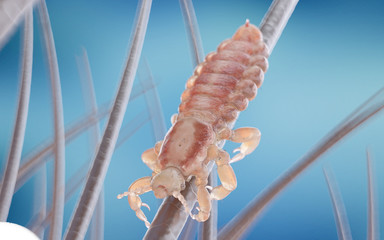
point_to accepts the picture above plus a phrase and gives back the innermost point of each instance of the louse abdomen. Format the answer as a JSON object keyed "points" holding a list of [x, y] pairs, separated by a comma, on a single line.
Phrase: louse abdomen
{"points": [[227, 80]]}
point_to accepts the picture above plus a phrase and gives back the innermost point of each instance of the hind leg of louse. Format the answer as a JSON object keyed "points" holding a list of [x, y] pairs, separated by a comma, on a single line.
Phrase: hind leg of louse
{"points": [[247, 136], [203, 198], [149, 157], [226, 175], [137, 188]]}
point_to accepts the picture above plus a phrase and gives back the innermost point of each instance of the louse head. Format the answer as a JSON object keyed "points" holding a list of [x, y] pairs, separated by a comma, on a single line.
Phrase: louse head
{"points": [[248, 32], [167, 182]]}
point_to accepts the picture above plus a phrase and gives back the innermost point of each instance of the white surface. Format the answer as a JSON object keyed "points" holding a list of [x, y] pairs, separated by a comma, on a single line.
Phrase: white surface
{"points": [[11, 231]]}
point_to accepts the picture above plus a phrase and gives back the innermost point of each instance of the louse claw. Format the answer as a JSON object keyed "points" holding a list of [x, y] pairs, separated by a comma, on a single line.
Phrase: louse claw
{"points": [[137, 188], [139, 213], [142, 217], [146, 205], [237, 157], [249, 139]]}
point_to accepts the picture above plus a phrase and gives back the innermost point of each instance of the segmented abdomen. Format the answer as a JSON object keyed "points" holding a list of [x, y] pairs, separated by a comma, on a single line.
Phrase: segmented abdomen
{"points": [[224, 83]]}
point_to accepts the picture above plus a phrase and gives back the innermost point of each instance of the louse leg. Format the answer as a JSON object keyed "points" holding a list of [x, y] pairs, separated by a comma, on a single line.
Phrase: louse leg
{"points": [[138, 187], [203, 198], [149, 157], [247, 136], [226, 175]]}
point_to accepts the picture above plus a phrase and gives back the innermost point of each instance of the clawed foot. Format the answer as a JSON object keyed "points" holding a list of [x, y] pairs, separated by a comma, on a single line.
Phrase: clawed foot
{"points": [[136, 205], [120, 196], [142, 217], [238, 156], [249, 139]]}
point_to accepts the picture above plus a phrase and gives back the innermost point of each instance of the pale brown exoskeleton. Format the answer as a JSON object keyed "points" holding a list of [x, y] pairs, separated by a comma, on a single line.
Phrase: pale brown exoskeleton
{"points": [[219, 89]]}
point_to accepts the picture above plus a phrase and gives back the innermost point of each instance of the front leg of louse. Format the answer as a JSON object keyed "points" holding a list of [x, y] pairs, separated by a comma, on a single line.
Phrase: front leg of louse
{"points": [[140, 186], [143, 185], [226, 175], [247, 136]]}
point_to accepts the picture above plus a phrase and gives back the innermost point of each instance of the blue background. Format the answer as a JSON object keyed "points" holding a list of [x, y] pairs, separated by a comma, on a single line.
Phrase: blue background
{"points": [[328, 60]]}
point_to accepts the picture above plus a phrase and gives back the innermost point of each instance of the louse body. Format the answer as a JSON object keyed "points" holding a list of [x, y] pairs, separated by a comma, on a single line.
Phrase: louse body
{"points": [[219, 89]]}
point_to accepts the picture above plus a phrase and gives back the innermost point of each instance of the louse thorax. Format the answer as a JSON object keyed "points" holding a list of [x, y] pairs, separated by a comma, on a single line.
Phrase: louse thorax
{"points": [[185, 145]]}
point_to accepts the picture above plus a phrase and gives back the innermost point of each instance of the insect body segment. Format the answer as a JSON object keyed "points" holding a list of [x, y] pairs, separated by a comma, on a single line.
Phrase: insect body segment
{"points": [[220, 88]]}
